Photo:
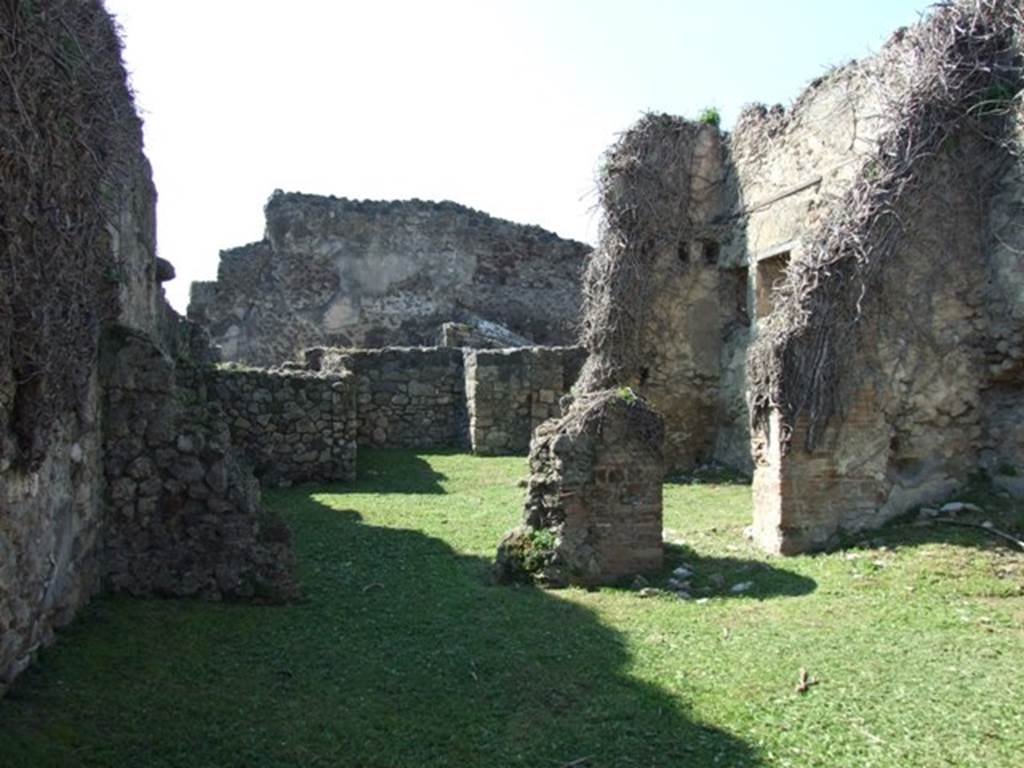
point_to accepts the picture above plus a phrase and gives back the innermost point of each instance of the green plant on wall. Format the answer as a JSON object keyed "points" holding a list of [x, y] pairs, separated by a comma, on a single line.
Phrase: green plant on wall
{"points": [[997, 99], [539, 548], [710, 116]]}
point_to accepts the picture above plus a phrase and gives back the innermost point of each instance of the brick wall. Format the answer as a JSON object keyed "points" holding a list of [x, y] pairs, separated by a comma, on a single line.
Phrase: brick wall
{"points": [[595, 497]]}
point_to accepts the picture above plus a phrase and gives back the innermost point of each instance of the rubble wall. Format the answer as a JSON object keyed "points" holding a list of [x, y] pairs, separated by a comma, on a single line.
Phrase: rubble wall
{"points": [[85, 500], [407, 397], [51, 489], [293, 426], [511, 392], [368, 274], [488, 401], [783, 167], [655, 320], [1002, 400], [593, 509], [911, 427], [183, 515]]}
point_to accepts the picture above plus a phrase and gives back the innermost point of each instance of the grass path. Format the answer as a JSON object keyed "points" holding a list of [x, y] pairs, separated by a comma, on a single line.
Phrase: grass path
{"points": [[402, 653]]}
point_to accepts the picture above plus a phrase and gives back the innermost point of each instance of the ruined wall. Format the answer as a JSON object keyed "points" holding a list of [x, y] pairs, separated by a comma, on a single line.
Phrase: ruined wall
{"points": [[730, 212], [407, 397], [480, 334], [593, 509], [57, 283], [655, 318], [928, 387], [345, 273], [683, 342], [293, 426], [442, 397], [784, 236], [511, 392], [783, 167], [83, 499], [49, 532], [184, 515], [1002, 400], [911, 426], [711, 221]]}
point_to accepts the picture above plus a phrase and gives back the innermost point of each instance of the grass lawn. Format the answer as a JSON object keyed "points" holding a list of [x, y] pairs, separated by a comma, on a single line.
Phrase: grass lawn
{"points": [[402, 653]]}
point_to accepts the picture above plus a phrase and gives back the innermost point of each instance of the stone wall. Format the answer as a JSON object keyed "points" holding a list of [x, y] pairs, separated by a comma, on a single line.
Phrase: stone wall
{"points": [[593, 510], [511, 392], [184, 515], [136, 484], [480, 334], [746, 200], [931, 391], [674, 322], [1002, 401], [407, 397], [52, 511], [50, 529], [444, 397], [346, 273], [918, 418], [750, 196], [782, 167], [293, 426]]}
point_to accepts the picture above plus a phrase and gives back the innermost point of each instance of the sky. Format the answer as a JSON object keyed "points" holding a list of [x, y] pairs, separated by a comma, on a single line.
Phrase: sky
{"points": [[502, 105]]}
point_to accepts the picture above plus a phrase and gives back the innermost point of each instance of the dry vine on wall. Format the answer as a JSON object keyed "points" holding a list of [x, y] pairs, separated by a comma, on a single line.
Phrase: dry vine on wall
{"points": [[67, 123], [958, 71], [644, 191]]}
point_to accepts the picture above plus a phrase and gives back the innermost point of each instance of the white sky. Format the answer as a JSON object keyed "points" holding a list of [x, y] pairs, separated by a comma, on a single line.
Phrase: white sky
{"points": [[502, 106]]}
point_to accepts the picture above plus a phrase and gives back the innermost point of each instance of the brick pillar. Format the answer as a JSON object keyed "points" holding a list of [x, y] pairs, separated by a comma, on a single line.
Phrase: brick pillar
{"points": [[593, 511]]}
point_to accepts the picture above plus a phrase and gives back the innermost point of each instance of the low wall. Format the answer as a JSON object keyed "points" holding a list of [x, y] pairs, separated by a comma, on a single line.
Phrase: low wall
{"points": [[510, 392], [442, 397], [408, 397], [293, 426]]}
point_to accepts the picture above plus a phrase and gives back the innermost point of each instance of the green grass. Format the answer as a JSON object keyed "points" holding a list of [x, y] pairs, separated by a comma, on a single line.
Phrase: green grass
{"points": [[403, 654]]}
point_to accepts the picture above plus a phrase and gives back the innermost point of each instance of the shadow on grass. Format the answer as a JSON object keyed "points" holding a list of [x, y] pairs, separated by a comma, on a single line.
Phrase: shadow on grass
{"points": [[459, 672], [710, 475], [718, 576], [403, 654], [963, 529], [392, 471]]}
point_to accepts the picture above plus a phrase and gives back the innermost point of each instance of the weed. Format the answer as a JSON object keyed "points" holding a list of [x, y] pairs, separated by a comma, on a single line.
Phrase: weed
{"points": [[710, 116], [627, 395]]}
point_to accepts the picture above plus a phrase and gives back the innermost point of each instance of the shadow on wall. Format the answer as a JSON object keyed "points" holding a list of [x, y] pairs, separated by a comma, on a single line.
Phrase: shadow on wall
{"points": [[403, 654]]}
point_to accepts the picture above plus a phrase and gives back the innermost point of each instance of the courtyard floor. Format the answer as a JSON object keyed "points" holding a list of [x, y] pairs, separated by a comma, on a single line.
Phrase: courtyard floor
{"points": [[403, 654]]}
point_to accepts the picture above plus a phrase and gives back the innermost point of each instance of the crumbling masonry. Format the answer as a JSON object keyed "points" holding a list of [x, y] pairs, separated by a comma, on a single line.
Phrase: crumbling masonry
{"points": [[850, 269], [831, 296], [346, 273], [117, 467]]}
